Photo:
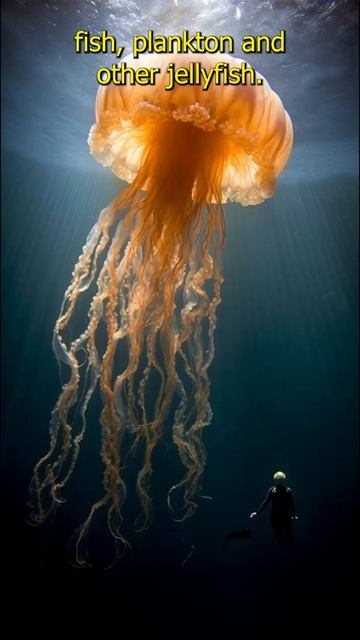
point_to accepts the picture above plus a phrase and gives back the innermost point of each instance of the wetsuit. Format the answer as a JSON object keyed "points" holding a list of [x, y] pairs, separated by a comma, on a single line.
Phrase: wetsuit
{"points": [[281, 513]]}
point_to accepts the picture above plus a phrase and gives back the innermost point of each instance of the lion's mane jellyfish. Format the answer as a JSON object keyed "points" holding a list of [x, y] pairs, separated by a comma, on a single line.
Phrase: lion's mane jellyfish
{"points": [[148, 279]]}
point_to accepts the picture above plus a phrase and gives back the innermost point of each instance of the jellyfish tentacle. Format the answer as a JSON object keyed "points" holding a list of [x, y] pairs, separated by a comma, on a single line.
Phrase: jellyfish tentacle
{"points": [[83, 275], [86, 267], [59, 423], [199, 307], [111, 423], [110, 420], [80, 560], [67, 398]]}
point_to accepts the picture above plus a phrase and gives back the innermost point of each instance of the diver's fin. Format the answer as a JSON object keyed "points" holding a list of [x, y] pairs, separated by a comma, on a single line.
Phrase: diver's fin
{"points": [[241, 534]]}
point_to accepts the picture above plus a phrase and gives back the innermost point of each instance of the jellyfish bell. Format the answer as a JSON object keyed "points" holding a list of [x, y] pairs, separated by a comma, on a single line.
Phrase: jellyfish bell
{"points": [[152, 263], [241, 132]]}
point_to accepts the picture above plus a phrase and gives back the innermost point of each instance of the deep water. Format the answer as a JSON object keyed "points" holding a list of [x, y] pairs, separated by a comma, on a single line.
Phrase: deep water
{"points": [[284, 395], [284, 381]]}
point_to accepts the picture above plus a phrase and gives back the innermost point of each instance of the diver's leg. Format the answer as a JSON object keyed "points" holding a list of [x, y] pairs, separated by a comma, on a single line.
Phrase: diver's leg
{"points": [[277, 527]]}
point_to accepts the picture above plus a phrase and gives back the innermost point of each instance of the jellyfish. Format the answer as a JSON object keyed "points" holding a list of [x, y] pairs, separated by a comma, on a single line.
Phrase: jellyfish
{"points": [[147, 284]]}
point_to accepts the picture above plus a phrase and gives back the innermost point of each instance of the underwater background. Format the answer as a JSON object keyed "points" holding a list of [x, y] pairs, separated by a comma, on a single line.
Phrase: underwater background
{"points": [[285, 375]]}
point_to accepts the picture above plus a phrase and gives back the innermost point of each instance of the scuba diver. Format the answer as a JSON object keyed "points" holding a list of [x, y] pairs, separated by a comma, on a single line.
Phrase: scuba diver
{"points": [[282, 514], [282, 511]]}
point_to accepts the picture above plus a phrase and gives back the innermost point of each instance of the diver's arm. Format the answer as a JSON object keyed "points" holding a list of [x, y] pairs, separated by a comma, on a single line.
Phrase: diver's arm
{"points": [[262, 506], [265, 502]]}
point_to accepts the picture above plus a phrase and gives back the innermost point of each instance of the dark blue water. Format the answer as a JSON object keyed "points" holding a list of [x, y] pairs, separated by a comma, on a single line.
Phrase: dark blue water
{"points": [[284, 381]]}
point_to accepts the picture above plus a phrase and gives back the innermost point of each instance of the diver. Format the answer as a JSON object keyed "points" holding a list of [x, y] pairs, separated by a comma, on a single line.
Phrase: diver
{"points": [[282, 511]]}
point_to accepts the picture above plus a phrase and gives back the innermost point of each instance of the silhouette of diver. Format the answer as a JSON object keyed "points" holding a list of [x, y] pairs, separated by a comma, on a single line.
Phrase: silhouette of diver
{"points": [[282, 512]]}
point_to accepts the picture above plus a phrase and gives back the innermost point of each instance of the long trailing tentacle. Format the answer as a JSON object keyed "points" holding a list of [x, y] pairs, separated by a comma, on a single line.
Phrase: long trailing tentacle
{"points": [[194, 414], [49, 467]]}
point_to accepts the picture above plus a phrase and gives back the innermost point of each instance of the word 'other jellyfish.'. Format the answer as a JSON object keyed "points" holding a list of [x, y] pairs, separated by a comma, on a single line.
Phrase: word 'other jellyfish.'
{"points": [[150, 276]]}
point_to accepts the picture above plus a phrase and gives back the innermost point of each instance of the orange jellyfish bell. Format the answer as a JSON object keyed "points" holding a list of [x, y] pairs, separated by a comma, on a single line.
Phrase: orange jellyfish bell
{"points": [[242, 132], [151, 269]]}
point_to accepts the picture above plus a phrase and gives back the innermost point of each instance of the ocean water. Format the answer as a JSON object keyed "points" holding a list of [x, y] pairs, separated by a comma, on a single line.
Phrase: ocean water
{"points": [[285, 374]]}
